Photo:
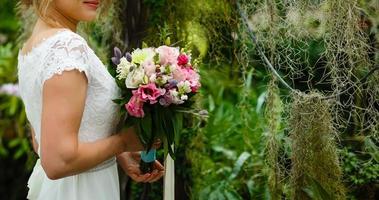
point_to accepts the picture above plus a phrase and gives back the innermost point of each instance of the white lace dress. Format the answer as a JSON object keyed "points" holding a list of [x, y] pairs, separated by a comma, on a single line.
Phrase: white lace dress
{"points": [[66, 50]]}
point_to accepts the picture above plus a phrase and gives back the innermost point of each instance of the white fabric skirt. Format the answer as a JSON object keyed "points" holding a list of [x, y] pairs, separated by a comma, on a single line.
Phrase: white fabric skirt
{"points": [[97, 184]]}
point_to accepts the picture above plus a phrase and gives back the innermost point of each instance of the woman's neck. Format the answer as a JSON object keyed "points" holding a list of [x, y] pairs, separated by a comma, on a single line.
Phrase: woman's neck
{"points": [[56, 16]]}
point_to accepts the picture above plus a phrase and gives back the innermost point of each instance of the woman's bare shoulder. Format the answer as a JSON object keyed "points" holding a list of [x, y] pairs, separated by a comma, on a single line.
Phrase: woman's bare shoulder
{"points": [[38, 37]]}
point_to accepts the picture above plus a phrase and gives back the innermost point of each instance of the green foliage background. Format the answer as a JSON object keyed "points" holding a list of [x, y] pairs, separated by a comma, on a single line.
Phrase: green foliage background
{"points": [[259, 142]]}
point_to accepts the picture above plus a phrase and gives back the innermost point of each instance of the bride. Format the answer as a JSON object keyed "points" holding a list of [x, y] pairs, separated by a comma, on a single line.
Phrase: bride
{"points": [[67, 93]]}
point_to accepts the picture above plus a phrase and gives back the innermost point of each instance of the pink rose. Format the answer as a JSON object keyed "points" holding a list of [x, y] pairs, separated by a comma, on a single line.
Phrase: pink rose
{"points": [[187, 74], [149, 92], [194, 78], [183, 59], [179, 74], [135, 106], [168, 55], [149, 67], [195, 85]]}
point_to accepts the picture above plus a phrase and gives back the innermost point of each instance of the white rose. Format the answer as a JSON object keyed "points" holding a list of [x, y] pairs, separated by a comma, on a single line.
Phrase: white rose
{"points": [[135, 78]]}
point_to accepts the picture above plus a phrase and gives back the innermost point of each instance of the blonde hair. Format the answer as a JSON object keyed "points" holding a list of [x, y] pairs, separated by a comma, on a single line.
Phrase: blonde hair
{"points": [[40, 8], [39, 5]]}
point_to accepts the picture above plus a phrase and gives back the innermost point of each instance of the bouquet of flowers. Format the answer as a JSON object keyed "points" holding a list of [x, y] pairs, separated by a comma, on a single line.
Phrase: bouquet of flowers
{"points": [[157, 88]]}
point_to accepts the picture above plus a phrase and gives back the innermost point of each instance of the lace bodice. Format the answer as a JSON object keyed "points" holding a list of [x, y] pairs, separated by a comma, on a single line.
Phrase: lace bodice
{"points": [[66, 50]]}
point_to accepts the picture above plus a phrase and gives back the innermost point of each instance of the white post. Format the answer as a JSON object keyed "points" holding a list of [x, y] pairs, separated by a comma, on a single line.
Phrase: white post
{"points": [[169, 178]]}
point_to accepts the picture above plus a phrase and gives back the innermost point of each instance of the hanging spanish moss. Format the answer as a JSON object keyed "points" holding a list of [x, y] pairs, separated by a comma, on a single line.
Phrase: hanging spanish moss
{"points": [[347, 53], [273, 114], [315, 164], [325, 45]]}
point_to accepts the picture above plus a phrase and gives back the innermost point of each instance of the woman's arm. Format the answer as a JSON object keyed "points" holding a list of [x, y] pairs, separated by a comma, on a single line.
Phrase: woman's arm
{"points": [[62, 108]]}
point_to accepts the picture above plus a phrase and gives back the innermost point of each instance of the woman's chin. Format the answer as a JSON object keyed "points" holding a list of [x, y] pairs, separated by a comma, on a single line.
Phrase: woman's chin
{"points": [[88, 13], [89, 17]]}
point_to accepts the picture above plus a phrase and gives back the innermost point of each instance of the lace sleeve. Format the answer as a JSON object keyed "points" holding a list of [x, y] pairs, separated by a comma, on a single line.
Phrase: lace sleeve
{"points": [[68, 52]]}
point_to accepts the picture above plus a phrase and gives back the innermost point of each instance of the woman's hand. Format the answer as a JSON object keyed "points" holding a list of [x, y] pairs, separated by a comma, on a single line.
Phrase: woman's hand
{"points": [[129, 161], [132, 143], [130, 139]]}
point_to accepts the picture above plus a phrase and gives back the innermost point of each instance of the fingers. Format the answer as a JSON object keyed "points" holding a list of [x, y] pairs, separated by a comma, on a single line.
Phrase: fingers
{"points": [[135, 173], [157, 177], [157, 173], [136, 156], [157, 144], [140, 178], [153, 175], [158, 166], [148, 177]]}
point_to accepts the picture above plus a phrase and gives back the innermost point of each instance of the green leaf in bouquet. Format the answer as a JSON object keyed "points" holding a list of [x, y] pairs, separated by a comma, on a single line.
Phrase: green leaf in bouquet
{"points": [[165, 147], [128, 121], [141, 134], [189, 103], [148, 133], [168, 126], [123, 111], [168, 41], [177, 122], [144, 45], [121, 83], [156, 58], [170, 132], [171, 152], [120, 101], [157, 122]]}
